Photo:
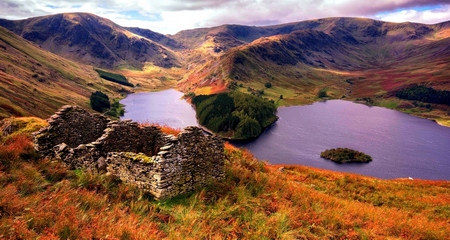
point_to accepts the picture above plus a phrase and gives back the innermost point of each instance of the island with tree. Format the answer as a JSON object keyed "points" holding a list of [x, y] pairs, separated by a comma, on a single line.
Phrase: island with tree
{"points": [[234, 115], [345, 155]]}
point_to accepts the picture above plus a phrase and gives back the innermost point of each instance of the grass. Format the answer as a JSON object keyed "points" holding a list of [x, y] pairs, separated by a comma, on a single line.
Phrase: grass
{"points": [[37, 82], [40, 198], [389, 103], [164, 128]]}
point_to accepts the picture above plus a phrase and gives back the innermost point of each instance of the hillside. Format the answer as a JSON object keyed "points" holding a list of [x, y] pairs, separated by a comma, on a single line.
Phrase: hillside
{"points": [[37, 82], [40, 198], [345, 57], [93, 40], [353, 58]]}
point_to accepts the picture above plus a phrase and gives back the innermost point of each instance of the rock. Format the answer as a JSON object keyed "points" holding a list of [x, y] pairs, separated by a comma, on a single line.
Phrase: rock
{"points": [[101, 164]]}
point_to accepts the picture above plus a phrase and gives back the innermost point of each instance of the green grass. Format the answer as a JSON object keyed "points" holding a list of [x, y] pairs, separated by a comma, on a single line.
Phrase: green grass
{"points": [[388, 103]]}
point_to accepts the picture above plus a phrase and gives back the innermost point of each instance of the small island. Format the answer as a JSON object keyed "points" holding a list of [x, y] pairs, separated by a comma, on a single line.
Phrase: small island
{"points": [[345, 155]]}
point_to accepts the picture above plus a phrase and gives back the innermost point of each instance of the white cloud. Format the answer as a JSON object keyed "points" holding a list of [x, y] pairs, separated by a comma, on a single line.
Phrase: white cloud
{"points": [[170, 16], [427, 16]]}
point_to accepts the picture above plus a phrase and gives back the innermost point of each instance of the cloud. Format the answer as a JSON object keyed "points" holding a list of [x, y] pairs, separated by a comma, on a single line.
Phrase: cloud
{"points": [[410, 15], [170, 16]]}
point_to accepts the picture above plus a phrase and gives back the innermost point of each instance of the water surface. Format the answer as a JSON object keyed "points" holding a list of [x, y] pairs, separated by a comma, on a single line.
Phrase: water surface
{"points": [[164, 108], [401, 145]]}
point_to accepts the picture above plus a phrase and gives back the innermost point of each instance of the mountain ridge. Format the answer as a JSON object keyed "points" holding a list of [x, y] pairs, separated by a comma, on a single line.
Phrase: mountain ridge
{"points": [[90, 39], [352, 58]]}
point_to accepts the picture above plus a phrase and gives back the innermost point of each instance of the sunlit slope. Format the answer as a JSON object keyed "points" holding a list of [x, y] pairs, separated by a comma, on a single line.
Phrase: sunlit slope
{"points": [[37, 82], [40, 198], [346, 57]]}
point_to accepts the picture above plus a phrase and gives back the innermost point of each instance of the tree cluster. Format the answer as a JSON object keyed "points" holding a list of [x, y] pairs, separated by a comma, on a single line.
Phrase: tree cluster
{"points": [[99, 101], [114, 77], [234, 114], [424, 94]]}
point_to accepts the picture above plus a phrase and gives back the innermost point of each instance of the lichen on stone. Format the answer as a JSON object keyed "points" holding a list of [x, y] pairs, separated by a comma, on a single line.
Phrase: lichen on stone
{"points": [[138, 157]]}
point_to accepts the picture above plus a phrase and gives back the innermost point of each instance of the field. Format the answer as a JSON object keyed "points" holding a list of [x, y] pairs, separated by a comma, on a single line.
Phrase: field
{"points": [[40, 198]]}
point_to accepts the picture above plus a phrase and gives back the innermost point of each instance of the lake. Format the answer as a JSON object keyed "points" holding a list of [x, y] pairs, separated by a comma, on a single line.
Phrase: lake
{"points": [[401, 145], [164, 108]]}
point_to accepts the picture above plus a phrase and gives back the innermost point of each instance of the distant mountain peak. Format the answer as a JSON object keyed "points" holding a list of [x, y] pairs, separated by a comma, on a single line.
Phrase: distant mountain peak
{"points": [[91, 39]]}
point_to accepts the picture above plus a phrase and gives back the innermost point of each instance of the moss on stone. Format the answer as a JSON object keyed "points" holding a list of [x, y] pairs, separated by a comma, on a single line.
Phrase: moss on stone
{"points": [[138, 157]]}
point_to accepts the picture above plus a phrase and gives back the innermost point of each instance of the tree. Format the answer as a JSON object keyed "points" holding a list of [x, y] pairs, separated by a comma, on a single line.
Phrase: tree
{"points": [[234, 114], [99, 101], [268, 85], [248, 128], [322, 94]]}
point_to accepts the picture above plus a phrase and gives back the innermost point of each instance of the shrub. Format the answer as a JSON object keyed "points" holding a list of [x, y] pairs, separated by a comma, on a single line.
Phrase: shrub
{"points": [[322, 93], [117, 109], [268, 85], [99, 101]]}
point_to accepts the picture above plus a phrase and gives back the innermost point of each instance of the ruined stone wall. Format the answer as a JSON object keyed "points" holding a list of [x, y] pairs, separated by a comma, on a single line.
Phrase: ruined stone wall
{"points": [[186, 162], [164, 165], [127, 136], [71, 125]]}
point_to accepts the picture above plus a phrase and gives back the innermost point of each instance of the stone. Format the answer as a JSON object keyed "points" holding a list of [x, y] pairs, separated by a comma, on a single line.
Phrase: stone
{"points": [[163, 165], [101, 164]]}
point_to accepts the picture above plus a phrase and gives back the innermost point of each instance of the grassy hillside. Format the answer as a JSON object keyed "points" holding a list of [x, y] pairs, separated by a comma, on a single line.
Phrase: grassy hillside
{"points": [[39, 198], [343, 57], [351, 58], [37, 82]]}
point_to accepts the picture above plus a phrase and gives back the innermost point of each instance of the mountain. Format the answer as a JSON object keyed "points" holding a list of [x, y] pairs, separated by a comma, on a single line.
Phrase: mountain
{"points": [[37, 82], [346, 57], [157, 37], [93, 40], [352, 58]]}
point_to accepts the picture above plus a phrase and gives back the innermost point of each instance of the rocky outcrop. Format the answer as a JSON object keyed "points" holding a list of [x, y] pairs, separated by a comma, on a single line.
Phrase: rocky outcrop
{"points": [[164, 165]]}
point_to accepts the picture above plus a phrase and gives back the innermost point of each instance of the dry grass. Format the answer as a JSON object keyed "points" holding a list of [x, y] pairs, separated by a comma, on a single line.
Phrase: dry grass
{"points": [[164, 128], [39, 198]]}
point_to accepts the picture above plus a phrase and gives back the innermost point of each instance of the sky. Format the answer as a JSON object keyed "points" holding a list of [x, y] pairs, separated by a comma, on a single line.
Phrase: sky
{"points": [[171, 16]]}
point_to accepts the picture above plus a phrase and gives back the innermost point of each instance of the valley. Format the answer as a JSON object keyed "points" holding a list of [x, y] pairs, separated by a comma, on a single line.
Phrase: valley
{"points": [[50, 61], [338, 58]]}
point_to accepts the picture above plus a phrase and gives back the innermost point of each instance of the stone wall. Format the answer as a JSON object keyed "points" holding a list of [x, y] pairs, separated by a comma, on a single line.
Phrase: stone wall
{"points": [[71, 125], [184, 163], [164, 165]]}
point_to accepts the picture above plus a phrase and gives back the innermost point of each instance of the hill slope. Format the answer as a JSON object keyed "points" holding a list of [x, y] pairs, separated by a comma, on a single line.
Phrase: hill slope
{"points": [[344, 57], [40, 198], [37, 82], [350, 58], [93, 40]]}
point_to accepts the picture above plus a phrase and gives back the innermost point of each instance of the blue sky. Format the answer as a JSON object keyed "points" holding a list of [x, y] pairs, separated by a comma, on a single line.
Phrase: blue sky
{"points": [[171, 16]]}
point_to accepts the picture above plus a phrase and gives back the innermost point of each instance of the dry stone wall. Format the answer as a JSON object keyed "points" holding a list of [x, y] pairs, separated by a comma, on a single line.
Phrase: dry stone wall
{"points": [[164, 165], [71, 125]]}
